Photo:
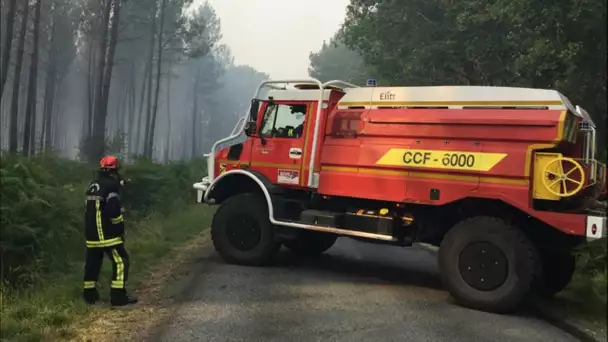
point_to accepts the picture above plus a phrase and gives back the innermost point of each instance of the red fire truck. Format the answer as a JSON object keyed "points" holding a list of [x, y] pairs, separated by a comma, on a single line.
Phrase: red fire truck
{"points": [[504, 180]]}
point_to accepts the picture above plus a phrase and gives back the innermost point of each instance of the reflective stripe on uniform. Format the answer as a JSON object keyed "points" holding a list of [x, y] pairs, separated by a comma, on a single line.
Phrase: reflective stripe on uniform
{"points": [[112, 195], [104, 243], [117, 220], [98, 221], [94, 198], [89, 284], [119, 282], [99, 198]]}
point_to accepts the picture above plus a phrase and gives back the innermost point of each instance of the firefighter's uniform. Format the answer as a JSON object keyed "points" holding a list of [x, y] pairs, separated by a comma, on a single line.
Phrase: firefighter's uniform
{"points": [[104, 233]]}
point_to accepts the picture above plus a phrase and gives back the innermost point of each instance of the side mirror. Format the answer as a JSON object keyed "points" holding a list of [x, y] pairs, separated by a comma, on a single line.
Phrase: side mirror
{"points": [[253, 110], [250, 127]]}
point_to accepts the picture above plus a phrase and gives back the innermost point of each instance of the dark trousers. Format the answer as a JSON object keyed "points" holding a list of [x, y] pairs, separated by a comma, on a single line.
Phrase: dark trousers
{"points": [[120, 266]]}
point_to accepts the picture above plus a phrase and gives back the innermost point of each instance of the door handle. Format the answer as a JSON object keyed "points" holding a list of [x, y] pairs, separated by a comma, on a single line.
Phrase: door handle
{"points": [[295, 153]]}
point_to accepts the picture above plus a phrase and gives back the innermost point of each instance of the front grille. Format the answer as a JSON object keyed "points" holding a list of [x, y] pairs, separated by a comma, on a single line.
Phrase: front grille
{"points": [[583, 126]]}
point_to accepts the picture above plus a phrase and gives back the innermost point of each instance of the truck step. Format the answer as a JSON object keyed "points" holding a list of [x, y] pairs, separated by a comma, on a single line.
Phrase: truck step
{"points": [[356, 224], [321, 218]]}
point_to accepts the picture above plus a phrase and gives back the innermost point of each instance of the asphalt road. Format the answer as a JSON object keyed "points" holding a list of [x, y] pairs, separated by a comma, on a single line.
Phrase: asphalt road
{"points": [[355, 292]]}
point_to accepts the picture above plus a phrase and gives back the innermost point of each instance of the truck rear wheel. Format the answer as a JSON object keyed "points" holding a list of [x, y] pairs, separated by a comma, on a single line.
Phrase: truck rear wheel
{"points": [[488, 264], [310, 243], [241, 231], [557, 273]]}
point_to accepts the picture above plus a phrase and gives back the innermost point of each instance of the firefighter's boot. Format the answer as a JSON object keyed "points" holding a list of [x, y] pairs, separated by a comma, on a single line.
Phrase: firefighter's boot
{"points": [[91, 296], [119, 297]]}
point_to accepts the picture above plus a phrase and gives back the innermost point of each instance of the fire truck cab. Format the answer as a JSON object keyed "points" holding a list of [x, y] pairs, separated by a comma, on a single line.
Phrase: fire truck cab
{"points": [[504, 180]]}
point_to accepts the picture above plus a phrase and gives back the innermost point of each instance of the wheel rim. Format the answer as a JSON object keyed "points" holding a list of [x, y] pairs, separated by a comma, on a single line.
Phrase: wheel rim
{"points": [[483, 266], [244, 232]]}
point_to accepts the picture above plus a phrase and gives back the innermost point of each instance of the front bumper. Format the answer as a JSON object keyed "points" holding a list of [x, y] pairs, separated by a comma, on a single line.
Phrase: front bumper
{"points": [[596, 227], [201, 188]]}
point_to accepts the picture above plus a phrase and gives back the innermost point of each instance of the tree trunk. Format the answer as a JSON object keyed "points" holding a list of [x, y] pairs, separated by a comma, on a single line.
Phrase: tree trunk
{"points": [[13, 132], [116, 117], [125, 115], [138, 129], [96, 145], [22, 96], [54, 122], [168, 137], [91, 81], [49, 90], [49, 104], [184, 154], [100, 122], [29, 133], [131, 109], [8, 43], [149, 99], [148, 110], [158, 76], [195, 113]]}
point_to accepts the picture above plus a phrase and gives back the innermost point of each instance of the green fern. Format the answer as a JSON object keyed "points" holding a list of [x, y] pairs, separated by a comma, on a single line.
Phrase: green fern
{"points": [[41, 207]]}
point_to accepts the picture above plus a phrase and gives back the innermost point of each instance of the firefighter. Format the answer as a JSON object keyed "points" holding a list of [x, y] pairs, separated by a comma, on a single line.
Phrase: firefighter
{"points": [[104, 232]]}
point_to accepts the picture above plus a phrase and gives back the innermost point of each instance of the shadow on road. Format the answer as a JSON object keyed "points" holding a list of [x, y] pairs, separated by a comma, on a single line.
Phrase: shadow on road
{"points": [[376, 264], [350, 262]]}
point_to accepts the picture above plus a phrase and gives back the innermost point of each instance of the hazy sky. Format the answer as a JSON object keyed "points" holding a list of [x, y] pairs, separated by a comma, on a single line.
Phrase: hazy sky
{"points": [[276, 36]]}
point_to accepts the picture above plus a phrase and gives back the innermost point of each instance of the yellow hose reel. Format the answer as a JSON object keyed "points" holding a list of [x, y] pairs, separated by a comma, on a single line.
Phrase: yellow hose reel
{"points": [[563, 177]]}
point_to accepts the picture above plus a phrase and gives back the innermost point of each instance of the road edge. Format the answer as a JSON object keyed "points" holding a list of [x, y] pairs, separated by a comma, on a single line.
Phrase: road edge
{"points": [[562, 324], [539, 311]]}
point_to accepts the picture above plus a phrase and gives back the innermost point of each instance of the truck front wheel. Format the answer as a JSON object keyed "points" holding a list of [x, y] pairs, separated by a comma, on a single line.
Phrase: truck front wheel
{"points": [[488, 264], [310, 243], [241, 231]]}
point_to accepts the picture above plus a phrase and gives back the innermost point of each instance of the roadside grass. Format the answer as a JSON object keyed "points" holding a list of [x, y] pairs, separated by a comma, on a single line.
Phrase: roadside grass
{"points": [[589, 283], [50, 310], [584, 301]]}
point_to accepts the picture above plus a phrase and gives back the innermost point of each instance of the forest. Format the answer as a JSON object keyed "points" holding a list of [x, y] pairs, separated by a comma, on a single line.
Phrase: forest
{"points": [[146, 80], [520, 43], [130, 77]]}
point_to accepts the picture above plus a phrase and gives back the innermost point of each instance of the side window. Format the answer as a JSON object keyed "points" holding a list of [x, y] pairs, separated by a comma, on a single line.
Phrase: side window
{"points": [[345, 124], [268, 120], [284, 121]]}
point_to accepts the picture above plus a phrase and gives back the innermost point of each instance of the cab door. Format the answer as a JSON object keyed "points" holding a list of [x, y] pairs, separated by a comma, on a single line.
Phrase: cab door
{"points": [[278, 150]]}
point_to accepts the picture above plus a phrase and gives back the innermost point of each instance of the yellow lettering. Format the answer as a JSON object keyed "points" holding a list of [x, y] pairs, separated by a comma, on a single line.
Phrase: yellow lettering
{"points": [[437, 159]]}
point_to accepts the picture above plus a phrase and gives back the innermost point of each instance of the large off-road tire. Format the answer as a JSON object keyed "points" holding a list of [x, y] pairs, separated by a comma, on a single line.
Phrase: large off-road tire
{"points": [[311, 243], [242, 233], [557, 273], [488, 264]]}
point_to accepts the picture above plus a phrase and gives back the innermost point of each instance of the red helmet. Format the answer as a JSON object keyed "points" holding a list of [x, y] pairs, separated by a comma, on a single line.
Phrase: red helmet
{"points": [[109, 162]]}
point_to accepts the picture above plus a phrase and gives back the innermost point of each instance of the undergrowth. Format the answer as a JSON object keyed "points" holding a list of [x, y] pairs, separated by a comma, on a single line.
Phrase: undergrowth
{"points": [[54, 310], [41, 233], [42, 209], [586, 293]]}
